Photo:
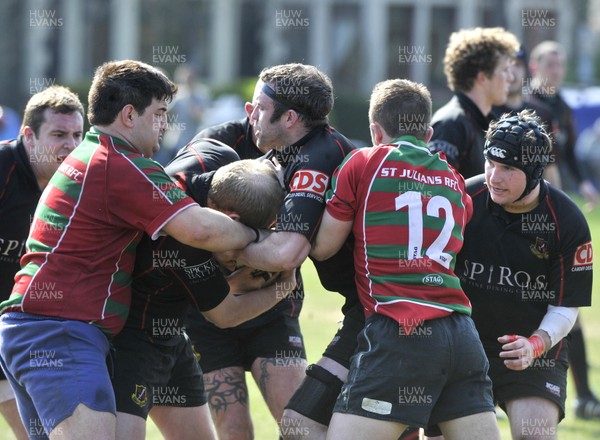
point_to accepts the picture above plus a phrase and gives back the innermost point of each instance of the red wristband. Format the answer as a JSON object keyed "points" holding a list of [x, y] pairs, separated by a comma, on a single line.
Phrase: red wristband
{"points": [[537, 344]]}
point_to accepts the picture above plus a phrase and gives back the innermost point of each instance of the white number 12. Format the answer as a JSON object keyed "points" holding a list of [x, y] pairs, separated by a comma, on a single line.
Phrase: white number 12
{"points": [[435, 251]]}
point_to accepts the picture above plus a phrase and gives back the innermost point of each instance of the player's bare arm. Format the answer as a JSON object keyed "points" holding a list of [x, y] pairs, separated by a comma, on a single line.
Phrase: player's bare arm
{"points": [[242, 305], [330, 238], [208, 229], [280, 251]]}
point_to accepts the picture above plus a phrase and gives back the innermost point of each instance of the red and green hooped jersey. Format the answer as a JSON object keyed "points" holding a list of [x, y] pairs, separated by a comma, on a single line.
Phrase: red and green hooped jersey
{"points": [[81, 246], [409, 209]]}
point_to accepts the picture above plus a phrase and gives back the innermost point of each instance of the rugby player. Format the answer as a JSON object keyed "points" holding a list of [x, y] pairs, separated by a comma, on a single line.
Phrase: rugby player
{"points": [[477, 65], [419, 360], [52, 127], [290, 116], [526, 266], [155, 370], [270, 346], [72, 293]]}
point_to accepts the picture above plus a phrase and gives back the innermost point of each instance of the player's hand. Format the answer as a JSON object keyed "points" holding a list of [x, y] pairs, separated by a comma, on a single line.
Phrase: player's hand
{"points": [[227, 259], [247, 279], [518, 352]]}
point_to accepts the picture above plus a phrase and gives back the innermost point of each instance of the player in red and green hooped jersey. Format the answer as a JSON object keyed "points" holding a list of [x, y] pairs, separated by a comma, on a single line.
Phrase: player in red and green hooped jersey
{"points": [[419, 360], [72, 293]]}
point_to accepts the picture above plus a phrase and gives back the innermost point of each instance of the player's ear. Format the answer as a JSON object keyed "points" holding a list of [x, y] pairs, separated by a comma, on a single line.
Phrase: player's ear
{"points": [[249, 108], [233, 216], [376, 133], [429, 134], [127, 115], [28, 136], [481, 77], [291, 117]]}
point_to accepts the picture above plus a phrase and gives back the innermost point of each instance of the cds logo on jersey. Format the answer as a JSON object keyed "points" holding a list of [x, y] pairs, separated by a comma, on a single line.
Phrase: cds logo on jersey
{"points": [[309, 181], [497, 152], [433, 280], [584, 255]]}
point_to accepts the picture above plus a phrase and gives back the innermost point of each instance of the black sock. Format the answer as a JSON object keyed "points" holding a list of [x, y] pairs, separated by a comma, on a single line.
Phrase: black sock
{"points": [[578, 363]]}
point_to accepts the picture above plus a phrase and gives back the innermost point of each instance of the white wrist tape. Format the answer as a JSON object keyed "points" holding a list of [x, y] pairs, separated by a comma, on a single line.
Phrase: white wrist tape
{"points": [[558, 322]]}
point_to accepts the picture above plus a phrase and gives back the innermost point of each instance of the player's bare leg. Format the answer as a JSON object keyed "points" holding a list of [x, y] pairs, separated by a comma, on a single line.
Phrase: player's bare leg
{"points": [[10, 412], [86, 423], [473, 427], [349, 427], [130, 427], [228, 402], [533, 418], [191, 423], [278, 379]]}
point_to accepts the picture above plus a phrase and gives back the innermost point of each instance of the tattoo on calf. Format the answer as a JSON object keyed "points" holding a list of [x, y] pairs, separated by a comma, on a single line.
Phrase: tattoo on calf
{"points": [[265, 375], [225, 388]]}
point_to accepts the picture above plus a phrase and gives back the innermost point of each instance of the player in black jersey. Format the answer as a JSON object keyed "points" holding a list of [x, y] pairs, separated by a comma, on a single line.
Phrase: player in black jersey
{"points": [[548, 65], [263, 345], [526, 265], [519, 96], [155, 370], [290, 112], [477, 65], [52, 127]]}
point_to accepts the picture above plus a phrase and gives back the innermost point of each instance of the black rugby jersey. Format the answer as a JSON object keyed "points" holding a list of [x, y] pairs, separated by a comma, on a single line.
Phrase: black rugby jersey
{"points": [[19, 195], [236, 134], [459, 131], [512, 266], [169, 276], [210, 151], [309, 165], [563, 132]]}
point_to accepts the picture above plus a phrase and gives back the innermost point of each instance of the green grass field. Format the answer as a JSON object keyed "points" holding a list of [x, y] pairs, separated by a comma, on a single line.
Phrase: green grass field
{"points": [[319, 318]]}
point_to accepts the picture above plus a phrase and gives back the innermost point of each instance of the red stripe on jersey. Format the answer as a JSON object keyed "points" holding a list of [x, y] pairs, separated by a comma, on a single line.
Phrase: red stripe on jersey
{"points": [[5, 185]]}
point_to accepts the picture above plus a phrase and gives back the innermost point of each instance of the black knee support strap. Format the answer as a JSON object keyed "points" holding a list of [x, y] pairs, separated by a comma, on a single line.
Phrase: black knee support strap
{"points": [[316, 396]]}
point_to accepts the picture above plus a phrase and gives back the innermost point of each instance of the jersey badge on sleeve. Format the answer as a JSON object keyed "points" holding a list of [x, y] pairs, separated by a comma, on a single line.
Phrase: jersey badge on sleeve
{"points": [[584, 255], [310, 181]]}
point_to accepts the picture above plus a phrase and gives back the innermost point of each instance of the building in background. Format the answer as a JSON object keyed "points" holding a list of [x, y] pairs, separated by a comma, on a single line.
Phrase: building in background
{"points": [[62, 41]]}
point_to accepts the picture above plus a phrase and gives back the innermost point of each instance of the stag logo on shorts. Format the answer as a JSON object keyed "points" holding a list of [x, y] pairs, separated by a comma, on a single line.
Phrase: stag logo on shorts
{"points": [[584, 256], [140, 395], [433, 280], [497, 152], [309, 181], [376, 406]]}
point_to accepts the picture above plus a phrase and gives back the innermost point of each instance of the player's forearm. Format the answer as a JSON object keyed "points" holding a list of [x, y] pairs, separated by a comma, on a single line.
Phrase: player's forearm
{"points": [[281, 251], [243, 306], [330, 238], [557, 323], [221, 235], [208, 229]]}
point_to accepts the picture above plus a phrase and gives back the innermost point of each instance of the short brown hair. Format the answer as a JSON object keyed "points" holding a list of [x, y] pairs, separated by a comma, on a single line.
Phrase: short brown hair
{"points": [[401, 107], [119, 83], [471, 51], [57, 99], [249, 188], [301, 87]]}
